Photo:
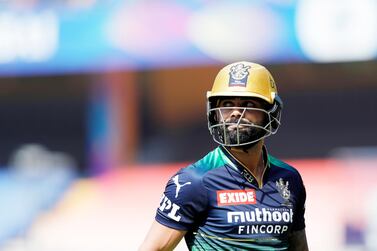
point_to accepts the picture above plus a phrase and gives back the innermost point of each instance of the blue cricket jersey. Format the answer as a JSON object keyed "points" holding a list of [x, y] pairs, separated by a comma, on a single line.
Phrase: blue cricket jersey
{"points": [[222, 207]]}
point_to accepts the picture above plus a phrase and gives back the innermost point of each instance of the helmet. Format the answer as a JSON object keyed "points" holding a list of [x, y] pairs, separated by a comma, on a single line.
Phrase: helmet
{"points": [[243, 79]]}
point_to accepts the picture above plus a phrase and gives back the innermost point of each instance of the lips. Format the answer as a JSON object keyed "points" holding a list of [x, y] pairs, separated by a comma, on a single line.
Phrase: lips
{"points": [[234, 127]]}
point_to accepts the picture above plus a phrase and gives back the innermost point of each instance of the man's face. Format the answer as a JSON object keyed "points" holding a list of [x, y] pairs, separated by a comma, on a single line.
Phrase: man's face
{"points": [[240, 115]]}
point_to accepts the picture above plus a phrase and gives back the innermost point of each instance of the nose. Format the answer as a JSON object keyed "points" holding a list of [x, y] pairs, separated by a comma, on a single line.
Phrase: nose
{"points": [[236, 113]]}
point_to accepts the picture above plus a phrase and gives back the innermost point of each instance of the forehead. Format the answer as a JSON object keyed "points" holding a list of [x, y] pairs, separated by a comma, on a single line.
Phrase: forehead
{"points": [[240, 101]]}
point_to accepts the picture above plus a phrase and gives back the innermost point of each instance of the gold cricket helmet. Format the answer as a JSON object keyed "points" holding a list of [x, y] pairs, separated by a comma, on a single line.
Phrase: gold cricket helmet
{"points": [[244, 79]]}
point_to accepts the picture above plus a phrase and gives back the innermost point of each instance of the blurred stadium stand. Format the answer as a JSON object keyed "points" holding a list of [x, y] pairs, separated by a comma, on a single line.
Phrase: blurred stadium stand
{"points": [[37, 180], [46, 110]]}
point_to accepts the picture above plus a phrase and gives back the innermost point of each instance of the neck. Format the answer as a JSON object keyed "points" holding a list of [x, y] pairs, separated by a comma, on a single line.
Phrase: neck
{"points": [[251, 158]]}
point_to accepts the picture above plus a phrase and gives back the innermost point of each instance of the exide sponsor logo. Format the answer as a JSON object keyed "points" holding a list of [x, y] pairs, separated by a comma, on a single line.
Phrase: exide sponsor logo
{"points": [[236, 197]]}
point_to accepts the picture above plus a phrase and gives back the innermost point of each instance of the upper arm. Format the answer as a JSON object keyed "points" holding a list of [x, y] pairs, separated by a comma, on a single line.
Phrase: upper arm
{"points": [[299, 215], [297, 241], [183, 200], [161, 238]]}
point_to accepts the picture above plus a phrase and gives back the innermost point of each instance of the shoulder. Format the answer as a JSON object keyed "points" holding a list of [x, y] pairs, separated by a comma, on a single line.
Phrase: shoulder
{"points": [[284, 168], [196, 174], [277, 163], [211, 161]]}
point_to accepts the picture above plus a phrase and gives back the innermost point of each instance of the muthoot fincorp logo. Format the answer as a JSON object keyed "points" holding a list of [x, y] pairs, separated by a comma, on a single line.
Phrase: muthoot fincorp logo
{"points": [[261, 221]]}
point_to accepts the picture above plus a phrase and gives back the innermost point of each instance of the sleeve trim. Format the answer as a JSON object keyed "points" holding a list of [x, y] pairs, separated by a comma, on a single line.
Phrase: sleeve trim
{"points": [[170, 223]]}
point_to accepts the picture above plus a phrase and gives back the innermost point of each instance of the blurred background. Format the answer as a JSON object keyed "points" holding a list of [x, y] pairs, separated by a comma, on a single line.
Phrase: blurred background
{"points": [[102, 101]]}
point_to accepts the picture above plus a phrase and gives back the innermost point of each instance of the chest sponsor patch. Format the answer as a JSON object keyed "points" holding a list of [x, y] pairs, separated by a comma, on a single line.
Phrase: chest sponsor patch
{"points": [[236, 197]]}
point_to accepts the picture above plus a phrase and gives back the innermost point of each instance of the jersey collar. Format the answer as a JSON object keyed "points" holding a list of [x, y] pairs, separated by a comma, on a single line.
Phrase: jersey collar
{"points": [[237, 165]]}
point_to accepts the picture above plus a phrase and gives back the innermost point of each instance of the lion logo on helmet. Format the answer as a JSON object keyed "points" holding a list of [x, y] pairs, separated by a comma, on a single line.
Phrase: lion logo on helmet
{"points": [[238, 75]]}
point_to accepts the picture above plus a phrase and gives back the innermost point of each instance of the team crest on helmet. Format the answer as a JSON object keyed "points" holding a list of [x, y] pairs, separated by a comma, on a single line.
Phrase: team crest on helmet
{"points": [[238, 75], [284, 191]]}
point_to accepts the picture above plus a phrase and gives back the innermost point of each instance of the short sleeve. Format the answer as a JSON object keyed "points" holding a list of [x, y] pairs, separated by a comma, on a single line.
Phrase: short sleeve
{"points": [[299, 217], [184, 199]]}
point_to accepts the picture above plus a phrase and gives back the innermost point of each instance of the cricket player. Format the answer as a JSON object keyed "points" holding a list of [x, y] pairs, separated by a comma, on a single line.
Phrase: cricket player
{"points": [[237, 197]]}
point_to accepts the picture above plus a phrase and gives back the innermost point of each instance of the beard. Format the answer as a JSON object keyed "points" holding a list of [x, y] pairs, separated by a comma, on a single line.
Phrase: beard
{"points": [[247, 132]]}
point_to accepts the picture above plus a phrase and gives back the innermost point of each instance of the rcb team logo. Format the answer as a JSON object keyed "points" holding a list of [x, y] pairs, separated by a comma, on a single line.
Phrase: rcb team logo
{"points": [[238, 75], [284, 192]]}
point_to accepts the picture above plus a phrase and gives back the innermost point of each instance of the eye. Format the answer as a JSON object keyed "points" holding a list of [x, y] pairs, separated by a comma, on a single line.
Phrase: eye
{"points": [[227, 103], [249, 104]]}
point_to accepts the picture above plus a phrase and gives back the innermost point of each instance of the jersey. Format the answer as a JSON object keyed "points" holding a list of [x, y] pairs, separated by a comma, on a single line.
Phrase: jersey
{"points": [[222, 207]]}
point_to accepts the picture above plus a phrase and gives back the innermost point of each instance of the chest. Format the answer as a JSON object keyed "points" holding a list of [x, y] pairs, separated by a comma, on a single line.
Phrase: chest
{"points": [[247, 211]]}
